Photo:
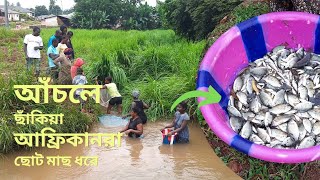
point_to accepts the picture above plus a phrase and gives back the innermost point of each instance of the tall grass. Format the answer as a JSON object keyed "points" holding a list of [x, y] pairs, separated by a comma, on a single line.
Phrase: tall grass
{"points": [[158, 63]]}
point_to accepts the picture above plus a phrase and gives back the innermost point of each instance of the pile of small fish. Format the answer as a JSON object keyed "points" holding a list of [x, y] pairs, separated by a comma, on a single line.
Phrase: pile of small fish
{"points": [[275, 101]]}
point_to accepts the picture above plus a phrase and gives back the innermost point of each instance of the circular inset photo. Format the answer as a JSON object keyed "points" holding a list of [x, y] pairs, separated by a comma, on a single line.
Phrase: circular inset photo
{"points": [[266, 70]]}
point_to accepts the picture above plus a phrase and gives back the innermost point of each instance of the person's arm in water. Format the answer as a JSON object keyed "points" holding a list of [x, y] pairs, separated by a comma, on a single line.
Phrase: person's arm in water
{"points": [[183, 125], [125, 128], [139, 130], [133, 104]]}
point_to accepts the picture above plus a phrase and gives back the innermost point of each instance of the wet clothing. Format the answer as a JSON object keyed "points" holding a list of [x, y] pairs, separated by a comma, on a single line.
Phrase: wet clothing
{"points": [[115, 101], [133, 125], [141, 114], [183, 135]]}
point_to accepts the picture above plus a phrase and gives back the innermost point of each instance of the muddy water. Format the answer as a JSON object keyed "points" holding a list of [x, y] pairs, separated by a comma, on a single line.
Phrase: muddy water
{"points": [[144, 158]]}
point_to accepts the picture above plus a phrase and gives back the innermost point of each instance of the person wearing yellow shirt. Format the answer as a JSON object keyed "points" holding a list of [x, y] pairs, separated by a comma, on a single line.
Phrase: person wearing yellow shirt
{"points": [[112, 90]]}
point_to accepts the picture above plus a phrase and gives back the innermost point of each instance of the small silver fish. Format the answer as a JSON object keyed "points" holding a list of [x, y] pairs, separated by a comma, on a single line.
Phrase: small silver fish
{"points": [[273, 81], [314, 113], [236, 124], [280, 120], [293, 130], [255, 105], [306, 142], [234, 111], [278, 134], [303, 92], [268, 119], [242, 97], [279, 98], [304, 106], [246, 130], [259, 71], [302, 132], [307, 125], [256, 139], [238, 83], [263, 135], [316, 128], [266, 99], [280, 109], [289, 141]]}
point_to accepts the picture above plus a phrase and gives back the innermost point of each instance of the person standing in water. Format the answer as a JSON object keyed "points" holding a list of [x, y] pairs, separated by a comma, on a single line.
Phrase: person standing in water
{"points": [[140, 105], [134, 128], [180, 124], [112, 90]]}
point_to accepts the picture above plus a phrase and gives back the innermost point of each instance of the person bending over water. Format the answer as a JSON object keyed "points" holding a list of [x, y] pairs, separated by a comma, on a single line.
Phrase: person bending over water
{"points": [[112, 90], [180, 124], [134, 128]]}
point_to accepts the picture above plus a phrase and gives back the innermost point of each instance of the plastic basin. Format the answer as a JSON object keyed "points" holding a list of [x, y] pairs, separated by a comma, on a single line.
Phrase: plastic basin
{"points": [[233, 51]]}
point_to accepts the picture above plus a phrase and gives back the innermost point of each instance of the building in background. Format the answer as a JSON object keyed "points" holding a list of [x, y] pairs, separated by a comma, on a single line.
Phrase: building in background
{"points": [[22, 10], [12, 15], [54, 21]]}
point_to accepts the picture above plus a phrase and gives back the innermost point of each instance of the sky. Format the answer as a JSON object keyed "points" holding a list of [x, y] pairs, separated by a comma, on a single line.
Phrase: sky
{"points": [[66, 4]]}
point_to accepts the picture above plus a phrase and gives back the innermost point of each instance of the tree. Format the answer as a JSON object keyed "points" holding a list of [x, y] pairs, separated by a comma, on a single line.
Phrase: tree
{"points": [[311, 6], [41, 10], [68, 11], [52, 4], [56, 10], [125, 14], [18, 4], [195, 19]]}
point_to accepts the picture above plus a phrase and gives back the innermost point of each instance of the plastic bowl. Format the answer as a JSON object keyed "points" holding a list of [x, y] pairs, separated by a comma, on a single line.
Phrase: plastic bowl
{"points": [[233, 51]]}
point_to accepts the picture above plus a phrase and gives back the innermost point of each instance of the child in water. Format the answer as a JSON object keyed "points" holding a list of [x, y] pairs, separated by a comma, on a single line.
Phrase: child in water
{"points": [[134, 128], [112, 90], [180, 124]]}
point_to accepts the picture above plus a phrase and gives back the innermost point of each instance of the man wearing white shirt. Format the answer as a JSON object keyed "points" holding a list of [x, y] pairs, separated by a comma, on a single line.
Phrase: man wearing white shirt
{"points": [[32, 46]]}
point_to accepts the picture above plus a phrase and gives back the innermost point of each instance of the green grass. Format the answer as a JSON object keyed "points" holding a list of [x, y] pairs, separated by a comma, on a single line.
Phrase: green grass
{"points": [[160, 64]]}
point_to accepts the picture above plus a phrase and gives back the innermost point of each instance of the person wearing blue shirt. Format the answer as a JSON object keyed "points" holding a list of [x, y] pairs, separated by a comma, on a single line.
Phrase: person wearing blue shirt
{"points": [[58, 36], [53, 54]]}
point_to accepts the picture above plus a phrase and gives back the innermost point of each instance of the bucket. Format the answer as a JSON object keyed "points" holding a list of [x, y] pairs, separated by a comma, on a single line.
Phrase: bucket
{"points": [[168, 139], [232, 52]]}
